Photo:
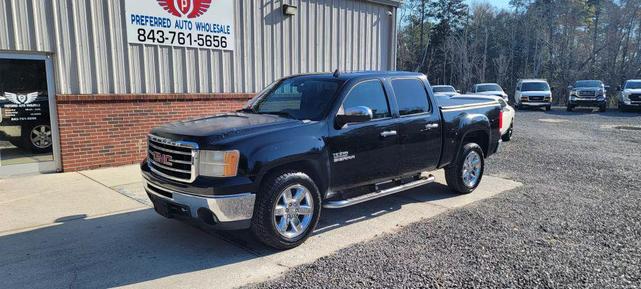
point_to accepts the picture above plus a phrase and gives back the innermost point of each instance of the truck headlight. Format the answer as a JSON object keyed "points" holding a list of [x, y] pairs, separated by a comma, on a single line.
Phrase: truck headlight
{"points": [[625, 96], [220, 164]]}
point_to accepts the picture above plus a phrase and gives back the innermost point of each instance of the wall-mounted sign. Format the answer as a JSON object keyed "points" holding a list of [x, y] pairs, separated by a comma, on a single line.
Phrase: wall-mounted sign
{"points": [[207, 24]]}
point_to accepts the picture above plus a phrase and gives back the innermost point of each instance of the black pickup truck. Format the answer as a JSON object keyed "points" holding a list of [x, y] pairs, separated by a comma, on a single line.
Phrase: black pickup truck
{"points": [[312, 141]]}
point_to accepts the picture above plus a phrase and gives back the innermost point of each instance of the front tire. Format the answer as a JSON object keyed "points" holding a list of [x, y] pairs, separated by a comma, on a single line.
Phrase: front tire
{"points": [[569, 108], [603, 108], [287, 210], [548, 108], [465, 174]]}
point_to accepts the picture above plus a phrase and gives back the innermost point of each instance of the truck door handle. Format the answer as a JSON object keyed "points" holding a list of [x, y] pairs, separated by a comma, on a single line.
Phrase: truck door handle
{"points": [[389, 133], [431, 126]]}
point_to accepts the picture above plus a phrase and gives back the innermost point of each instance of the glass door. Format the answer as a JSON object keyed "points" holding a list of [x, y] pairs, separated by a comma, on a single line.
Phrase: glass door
{"points": [[28, 128]]}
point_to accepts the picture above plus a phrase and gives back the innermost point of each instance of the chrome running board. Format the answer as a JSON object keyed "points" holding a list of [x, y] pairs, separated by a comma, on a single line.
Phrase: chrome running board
{"points": [[379, 194]]}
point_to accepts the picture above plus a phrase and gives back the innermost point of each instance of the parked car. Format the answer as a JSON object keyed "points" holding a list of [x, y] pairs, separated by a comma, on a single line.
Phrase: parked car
{"points": [[317, 141], [28, 112], [533, 93], [508, 115], [630, 95], [588, 93], [444, 90], [488, 89]]}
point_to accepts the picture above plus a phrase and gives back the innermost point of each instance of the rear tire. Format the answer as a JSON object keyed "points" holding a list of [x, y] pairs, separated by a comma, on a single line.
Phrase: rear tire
{"points": [[460, 177], [548, 108], [277, 221]]}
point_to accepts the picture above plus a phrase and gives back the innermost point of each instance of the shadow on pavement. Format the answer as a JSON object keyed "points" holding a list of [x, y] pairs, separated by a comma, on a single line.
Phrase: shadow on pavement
{"points": [[129, 248]]}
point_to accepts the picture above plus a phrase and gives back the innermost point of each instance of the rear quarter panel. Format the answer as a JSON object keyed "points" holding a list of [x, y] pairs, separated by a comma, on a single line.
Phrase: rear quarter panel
{"points": [[463, 119]]}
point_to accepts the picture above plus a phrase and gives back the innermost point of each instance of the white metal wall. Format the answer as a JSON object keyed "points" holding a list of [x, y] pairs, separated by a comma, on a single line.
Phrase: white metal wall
{"points": [[88, 41]]}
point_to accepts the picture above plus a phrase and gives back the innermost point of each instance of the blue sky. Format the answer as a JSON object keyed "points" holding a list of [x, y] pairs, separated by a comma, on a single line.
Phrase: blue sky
{"points": [[497, 3]]}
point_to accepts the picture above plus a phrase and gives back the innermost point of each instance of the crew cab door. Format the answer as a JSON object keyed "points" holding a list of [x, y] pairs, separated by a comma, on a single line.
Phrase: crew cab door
{"points": [[420, 126], [365, 153]]}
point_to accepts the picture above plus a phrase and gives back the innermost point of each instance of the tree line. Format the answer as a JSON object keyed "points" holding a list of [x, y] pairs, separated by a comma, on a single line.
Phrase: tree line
{"points": [[558, 40]]}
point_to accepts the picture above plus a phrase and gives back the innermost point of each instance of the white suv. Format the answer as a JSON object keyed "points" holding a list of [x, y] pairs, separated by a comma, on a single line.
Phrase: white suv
{"points": [[533, 93], [630, 96]]}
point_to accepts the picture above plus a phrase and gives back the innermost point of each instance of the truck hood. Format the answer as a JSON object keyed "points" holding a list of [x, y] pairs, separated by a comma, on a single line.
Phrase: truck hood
{"points": [[207, 131], [632, 91]]}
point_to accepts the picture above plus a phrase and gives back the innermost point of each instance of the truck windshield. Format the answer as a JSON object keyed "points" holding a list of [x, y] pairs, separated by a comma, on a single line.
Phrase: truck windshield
{"points": [[535, 86], [633, 85], [488, 87], [443, 89], [588, 83], [302, 98]]}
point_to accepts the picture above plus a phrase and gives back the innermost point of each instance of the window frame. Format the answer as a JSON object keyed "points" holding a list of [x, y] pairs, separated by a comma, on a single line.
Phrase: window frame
{"points": [[430, 108], [387, 99]]}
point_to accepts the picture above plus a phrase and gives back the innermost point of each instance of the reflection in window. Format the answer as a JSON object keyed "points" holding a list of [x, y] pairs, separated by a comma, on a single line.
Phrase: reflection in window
{"points": [[369, 94], [411, 96]]}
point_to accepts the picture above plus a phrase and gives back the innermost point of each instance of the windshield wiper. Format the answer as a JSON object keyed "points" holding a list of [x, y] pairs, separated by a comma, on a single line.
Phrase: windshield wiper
{"points": [[247, 110]]}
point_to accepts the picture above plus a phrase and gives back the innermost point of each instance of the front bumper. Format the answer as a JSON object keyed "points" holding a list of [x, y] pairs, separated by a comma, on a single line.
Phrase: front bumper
{"points": [[587, 102], [536, 104], [229, 212]]}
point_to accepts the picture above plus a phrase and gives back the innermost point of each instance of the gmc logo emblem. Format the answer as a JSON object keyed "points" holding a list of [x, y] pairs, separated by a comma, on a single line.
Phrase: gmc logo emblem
{"points": [[162, 159]]}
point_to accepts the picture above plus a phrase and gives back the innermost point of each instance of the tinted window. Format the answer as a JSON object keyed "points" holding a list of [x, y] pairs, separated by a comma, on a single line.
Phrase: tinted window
{"points": [[301, 98], [535, 86], [488, 87], [411, 96], [443, 89], [588, 83], [370, 94], [633, 85]]}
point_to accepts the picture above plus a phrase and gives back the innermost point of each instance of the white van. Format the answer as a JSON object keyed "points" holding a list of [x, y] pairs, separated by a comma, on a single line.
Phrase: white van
{"points": [[533, 93]]}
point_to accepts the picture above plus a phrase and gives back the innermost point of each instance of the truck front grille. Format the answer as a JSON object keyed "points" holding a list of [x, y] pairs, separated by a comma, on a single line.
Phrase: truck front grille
{"points": [[536, 98], [635, 97], [173, 160], [587, 93]]}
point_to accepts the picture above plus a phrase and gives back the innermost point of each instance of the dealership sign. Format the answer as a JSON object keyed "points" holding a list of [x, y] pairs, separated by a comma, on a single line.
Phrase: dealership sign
{"points": [[207, 24]]}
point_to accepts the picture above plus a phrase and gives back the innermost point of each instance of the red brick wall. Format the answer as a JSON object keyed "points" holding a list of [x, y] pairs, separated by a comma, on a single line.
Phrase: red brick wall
{"points": [[110, 130]]}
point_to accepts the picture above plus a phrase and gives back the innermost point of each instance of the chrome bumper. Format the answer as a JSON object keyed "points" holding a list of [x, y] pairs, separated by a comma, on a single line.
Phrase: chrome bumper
{"points": [[536, 103], [232, 208]]}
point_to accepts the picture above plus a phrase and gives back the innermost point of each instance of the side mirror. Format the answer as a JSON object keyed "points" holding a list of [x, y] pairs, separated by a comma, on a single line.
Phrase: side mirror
{"points": [[354, 115], [570, 87], [606, 87], [552, 88], [619, 88], [458, 91]]}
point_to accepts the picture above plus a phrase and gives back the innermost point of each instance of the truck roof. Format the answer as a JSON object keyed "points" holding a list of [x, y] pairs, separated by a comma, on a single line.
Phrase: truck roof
{"points": [[350, 75]]}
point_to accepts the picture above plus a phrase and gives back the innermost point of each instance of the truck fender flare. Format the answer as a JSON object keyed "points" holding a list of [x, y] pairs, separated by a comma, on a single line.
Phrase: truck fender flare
{"points": [[473, 123], [307, 153]]}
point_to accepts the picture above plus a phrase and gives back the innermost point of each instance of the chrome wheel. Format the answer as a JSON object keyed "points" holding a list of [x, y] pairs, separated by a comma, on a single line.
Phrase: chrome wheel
{"points": [[40, 136], [472, 169], [293, 211]]}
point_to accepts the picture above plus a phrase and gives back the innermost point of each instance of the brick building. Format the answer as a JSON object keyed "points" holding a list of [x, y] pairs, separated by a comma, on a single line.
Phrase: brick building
{"points": [[82, 82]]}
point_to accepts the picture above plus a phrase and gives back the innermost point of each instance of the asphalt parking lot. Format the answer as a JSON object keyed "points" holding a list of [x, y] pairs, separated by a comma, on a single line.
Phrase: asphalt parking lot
{"points": [[575, 223]]}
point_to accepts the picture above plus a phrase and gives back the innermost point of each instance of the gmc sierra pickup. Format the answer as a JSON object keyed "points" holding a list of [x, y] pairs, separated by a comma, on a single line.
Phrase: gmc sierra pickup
{"points": [[317, 141]]}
